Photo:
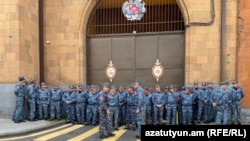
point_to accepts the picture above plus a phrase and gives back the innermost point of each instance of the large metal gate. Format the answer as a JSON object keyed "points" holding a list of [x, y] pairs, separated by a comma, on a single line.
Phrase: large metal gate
{"points": [[159, 35], [134, 57]]}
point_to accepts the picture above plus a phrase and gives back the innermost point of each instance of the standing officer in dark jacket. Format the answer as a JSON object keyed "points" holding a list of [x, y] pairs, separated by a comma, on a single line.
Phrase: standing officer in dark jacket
{"points": [[104, 112]]}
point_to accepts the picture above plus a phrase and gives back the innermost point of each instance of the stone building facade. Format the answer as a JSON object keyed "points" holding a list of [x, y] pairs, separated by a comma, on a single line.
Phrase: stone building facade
{"points": [[216, 42]]}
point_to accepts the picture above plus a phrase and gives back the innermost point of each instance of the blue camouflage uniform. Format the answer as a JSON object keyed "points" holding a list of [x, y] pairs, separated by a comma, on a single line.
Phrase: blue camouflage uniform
{"points": [[19, 92], [81, 99], [179, 106], [141, 107], [132, 102], [187, 110], [149, 105], [122, 105], [55, 107], [92, 107], [25, 112], [69, 99], [165, 95], [237, 95], [220, 98], [229, 103], [104, 124], [43, 101], [211, 110], [171, 105], [203, 104], [195, 91], [158, 100], [32, 92], [113, 107]]}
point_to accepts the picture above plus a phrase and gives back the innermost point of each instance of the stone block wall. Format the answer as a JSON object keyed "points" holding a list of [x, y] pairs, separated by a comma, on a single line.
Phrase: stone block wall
{"points": [[19, 40], [9, 41], [243, 50], [65, 57], [29, 39]]}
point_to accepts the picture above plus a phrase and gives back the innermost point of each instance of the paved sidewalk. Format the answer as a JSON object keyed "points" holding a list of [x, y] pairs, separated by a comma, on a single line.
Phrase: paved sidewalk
{"points": [[9, 128]]}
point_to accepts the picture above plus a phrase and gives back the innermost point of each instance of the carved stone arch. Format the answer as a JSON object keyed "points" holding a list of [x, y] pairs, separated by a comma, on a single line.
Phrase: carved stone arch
{"points": [[184, 11]]}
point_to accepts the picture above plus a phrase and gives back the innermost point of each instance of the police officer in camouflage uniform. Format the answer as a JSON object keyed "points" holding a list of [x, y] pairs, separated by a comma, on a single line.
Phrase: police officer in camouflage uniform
{"points": [[141, 106], [32, 92], [92, 106], [104, 112], [43, 101], [158, 103], [211, 110], [229, 103], [203, 103], [195, 92], [238, 94], [148, 106], [56, 98], [179, 106], [171, 105], [132, 102], [122, 105], [219, 102], [166, 90], [69, 99], [19, 93], [81, 99], [187, 110], [113, 107], [25, 102]]}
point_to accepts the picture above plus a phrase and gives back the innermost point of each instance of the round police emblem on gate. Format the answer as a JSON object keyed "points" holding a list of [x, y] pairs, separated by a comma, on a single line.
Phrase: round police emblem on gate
{"points": [[111, 71], [157, 70], [134, 9]]}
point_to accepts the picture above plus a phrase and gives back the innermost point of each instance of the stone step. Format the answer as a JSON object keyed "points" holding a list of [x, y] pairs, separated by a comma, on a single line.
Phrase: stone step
{"points": [[245, 115]]}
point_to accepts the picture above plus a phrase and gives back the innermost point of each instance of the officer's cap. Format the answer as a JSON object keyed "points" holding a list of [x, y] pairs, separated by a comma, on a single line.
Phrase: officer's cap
{"points": [[156, 86], [203, 84], [150, 88], [96, 87], [80, 86], [183, 88], [32, 81], [223, 83], [113, 87], [21, 78], [105, 85], [166, 87], [131, 86], [70, 86], [235, 82], [146, 88], [43, 83], [121, 87], [195, 83], [172, 86], [187, 88], [137, 81]]}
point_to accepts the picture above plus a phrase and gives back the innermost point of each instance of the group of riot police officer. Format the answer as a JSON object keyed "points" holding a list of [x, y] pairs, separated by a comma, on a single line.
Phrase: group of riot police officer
{"points": [[133, 105]]}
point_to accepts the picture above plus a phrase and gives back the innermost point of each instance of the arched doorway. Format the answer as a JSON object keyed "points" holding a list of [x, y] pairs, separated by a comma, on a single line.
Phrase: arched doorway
{"points": [[134, 46]]}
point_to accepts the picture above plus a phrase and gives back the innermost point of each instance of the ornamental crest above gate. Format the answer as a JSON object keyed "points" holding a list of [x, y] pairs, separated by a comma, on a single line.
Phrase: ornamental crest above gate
{"points": [[133, 9]]}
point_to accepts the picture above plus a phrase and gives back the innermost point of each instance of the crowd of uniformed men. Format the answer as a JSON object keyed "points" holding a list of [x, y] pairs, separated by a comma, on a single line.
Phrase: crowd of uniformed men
{"points": [[133, 105]]}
